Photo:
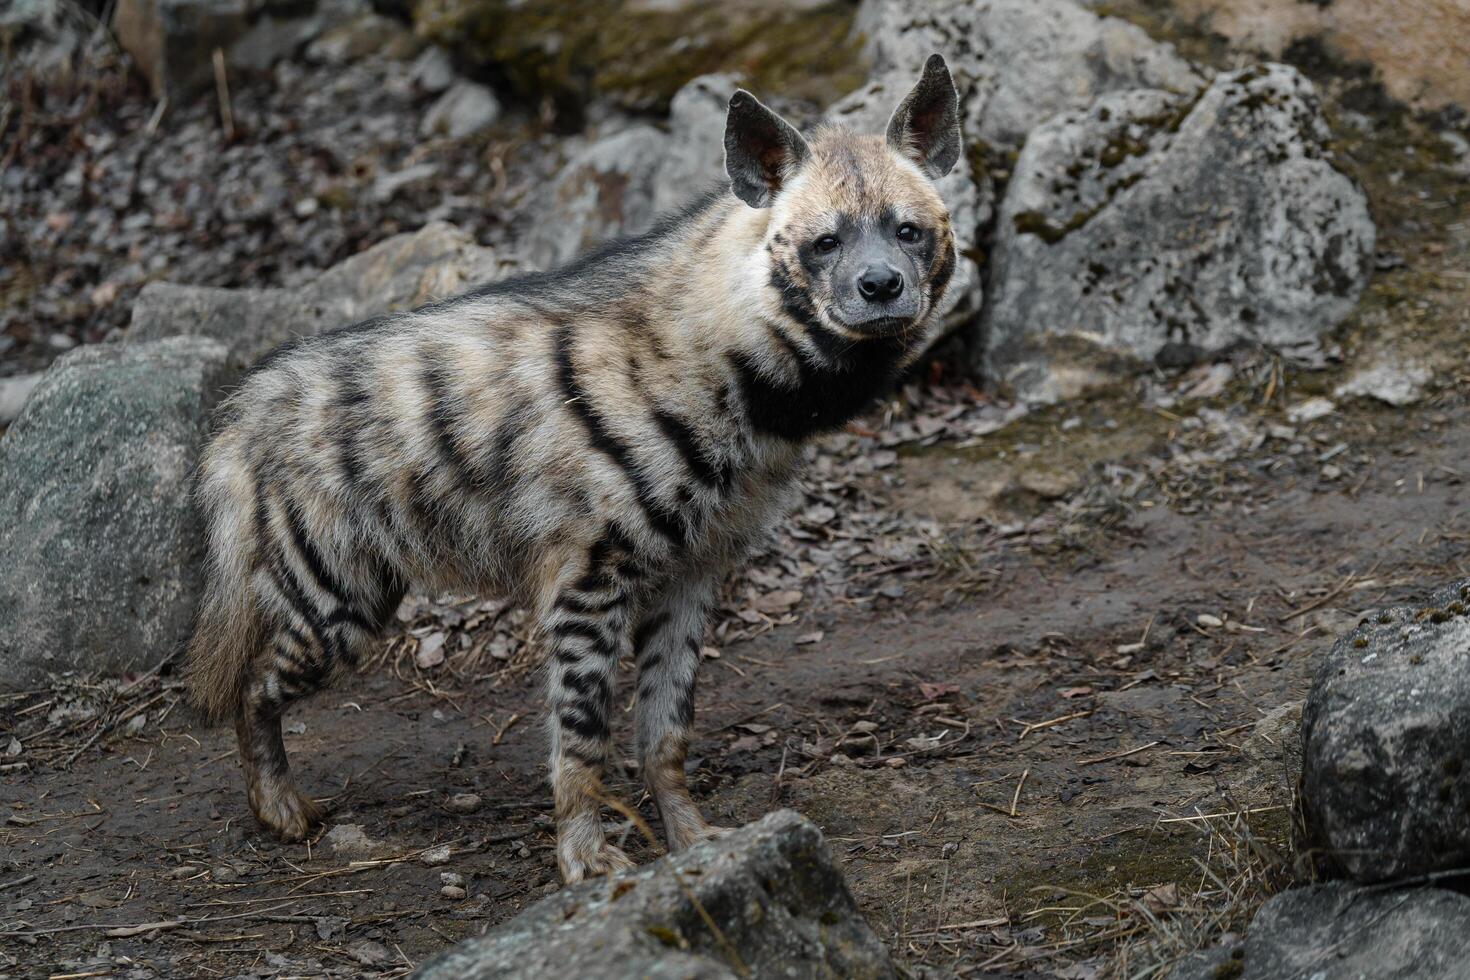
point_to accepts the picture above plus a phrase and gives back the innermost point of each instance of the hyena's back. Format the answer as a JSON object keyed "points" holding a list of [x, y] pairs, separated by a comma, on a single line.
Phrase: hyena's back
{"points": [[470, 447]]}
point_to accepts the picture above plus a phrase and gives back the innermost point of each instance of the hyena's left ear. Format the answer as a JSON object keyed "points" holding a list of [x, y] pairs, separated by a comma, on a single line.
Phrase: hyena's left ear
{"points": [[761, 150], [926, 125]]}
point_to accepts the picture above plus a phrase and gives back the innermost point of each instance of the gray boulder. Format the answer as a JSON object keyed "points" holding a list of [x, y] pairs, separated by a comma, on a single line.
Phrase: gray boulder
{"points": [[1340, 932], [1018, 62], [618, 184], [403, 272], [782, 907], [1385, 732], [1158, 226], [100, 539], [1216, 963]]}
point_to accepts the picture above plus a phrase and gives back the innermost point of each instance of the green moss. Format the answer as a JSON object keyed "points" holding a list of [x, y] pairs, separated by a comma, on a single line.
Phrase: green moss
{"points": [[640, 55], [1140, 861], [1229, 970], [666, 935]]}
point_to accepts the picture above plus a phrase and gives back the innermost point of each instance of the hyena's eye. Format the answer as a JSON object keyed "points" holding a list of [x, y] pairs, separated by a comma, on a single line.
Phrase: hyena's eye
{"points": [[826, 244], [908, 233]]}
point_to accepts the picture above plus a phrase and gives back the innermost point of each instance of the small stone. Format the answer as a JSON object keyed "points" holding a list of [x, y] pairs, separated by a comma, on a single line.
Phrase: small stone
{"points": [[1388, 381], [898, 762], [369, 953], [1310, 410], [451, 878], [350, 838], [452, 892], [13, 394], [432, 71], [306, 207], [523, 852], [463, 803], [465, 109], [436, 855], [1208, 621]]}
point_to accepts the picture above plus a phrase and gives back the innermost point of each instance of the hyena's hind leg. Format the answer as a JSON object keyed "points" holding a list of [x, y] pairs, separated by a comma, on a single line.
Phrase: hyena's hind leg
{"points": [[319, 631], [667, 647], [586, 626]]}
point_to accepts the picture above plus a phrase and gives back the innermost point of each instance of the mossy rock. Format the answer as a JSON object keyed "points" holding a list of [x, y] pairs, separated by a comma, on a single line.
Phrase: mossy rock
{"points": [[638, 54]]}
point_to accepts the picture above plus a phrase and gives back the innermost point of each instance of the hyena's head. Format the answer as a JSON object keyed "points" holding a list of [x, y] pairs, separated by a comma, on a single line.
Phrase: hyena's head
{"points": [[858, 240]]}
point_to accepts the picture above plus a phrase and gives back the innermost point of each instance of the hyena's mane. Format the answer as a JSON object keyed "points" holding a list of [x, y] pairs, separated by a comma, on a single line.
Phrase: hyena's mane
{"points": [[614, 266]]}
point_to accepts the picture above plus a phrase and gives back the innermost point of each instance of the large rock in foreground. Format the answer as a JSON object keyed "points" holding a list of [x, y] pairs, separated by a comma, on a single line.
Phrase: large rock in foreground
{"points": [[781, 905], [1158, 226], [100, 539], [409, 270], [1385, 734], [1338, 932]]}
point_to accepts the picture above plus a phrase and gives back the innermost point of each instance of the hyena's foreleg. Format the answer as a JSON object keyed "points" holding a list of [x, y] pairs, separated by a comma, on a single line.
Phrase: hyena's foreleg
{"points": [[667, 646], [324, 616], [586, 626]]}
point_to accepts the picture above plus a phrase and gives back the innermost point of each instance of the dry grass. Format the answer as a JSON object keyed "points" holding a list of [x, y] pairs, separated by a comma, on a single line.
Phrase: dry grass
{"points": [[1133, 933], [1241, 869]]}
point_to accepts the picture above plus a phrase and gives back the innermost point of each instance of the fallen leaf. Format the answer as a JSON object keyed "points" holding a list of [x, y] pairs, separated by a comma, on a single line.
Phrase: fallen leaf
{"points": [[774, 602], [1161, 897]]}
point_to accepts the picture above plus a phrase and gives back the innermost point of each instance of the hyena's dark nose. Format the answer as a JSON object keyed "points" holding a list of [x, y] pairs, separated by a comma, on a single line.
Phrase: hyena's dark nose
{"points": [[879, 284]]}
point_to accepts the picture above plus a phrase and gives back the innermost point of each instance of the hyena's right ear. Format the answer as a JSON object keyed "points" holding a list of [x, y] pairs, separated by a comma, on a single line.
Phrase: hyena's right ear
{"points": [[761, 150]]}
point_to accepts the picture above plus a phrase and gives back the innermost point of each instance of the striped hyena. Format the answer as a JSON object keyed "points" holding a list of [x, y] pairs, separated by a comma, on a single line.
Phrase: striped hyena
{"points": [[602, 442]]}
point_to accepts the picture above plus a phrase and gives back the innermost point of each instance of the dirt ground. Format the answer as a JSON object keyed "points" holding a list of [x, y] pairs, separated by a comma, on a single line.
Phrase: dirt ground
{"points": [[1051, 749], [979, 760]]}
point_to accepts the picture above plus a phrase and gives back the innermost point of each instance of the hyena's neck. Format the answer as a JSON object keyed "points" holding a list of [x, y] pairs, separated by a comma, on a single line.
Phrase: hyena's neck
{"points": [[797, 379]]}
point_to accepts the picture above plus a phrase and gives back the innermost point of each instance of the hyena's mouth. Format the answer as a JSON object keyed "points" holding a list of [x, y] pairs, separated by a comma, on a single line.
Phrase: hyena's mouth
{"points": [[883, 326]]}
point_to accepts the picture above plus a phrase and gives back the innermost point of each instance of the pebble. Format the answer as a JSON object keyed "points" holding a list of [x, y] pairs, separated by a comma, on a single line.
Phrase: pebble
{"points": [[452, 892], [436, 855], [1208, 621], [451, 878], [463, 803]]}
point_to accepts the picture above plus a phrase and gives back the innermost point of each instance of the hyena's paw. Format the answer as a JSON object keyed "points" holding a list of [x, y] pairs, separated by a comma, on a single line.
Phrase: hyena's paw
{"points": [[588, 859], [697, 835], [289, 814]]}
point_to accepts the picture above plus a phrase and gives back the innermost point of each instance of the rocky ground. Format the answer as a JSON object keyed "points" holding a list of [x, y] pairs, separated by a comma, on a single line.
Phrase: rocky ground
{"points": [[1049, 756], [1035, 673]]}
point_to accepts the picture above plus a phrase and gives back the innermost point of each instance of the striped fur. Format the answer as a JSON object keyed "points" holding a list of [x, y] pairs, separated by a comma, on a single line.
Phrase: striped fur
{"points": [[603, 443]]}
